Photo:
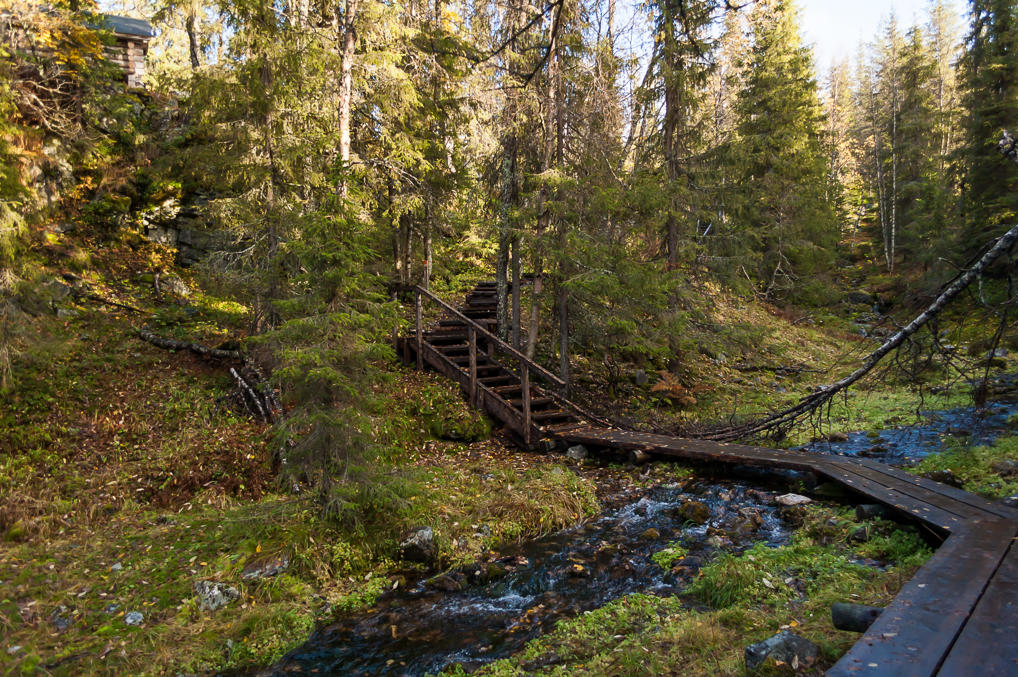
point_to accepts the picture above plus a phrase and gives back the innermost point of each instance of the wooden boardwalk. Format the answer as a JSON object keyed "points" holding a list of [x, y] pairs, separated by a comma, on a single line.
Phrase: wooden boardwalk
{"points": [[958, 616]]}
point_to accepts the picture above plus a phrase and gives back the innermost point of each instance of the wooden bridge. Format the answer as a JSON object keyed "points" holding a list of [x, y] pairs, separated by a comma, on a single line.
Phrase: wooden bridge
{"points": [[957, 617]]}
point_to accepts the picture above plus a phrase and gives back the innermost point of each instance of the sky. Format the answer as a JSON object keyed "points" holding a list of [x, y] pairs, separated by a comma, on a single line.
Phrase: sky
{"points": [[836, 27]]}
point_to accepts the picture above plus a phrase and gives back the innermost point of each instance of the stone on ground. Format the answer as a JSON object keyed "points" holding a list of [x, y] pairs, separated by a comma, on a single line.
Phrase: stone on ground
{"points": [[785, 647], [213, 595]]}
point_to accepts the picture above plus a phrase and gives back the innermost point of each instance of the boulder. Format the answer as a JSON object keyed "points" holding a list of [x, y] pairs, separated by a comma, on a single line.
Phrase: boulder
{"points": [[651, 534], [694, 511], [420, 546], [865, 511], [1005, 468], [577, 453], [174, 285], [837, 437], [265, 567], [789, 500], [786, 647], [59, 618], [213, 595], [860, 535], [447, 583], [944, 477]]}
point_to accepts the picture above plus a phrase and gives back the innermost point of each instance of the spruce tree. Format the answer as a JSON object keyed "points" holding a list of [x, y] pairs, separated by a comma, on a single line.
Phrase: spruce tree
{"points": [[788, 224], [989, 73]]}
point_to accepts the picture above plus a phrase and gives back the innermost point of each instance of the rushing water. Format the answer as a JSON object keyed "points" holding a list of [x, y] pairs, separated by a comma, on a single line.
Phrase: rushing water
{"points": [[908, 444], [479, 614], [434, 625]]}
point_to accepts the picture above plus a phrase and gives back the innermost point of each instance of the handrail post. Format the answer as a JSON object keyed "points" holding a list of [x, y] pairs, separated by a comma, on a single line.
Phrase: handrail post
{"points": [[420, 331], [472, 334], [525, 387]]}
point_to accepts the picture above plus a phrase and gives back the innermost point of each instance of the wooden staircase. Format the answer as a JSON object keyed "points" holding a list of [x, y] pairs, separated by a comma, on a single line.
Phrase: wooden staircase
{"points": [[461, 344]]}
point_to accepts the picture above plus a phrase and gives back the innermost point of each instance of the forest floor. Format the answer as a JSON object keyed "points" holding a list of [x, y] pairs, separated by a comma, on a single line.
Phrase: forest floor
{"points": [[126, 476]]}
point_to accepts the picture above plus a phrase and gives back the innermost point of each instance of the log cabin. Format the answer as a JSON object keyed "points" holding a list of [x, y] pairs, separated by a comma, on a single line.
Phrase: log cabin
{"points": [[132, 38]]}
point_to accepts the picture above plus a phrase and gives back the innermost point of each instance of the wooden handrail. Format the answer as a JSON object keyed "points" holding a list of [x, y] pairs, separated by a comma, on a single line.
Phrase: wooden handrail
{"points": [[491, 337]]}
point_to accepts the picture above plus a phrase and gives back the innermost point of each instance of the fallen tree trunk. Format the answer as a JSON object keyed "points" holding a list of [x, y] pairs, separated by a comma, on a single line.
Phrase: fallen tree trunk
{"points": [[824, 394], [252, 391], [196, 348]]}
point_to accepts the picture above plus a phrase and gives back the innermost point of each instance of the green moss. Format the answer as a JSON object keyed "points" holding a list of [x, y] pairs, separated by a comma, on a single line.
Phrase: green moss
{"points": [[982, 470], [670, 555]]}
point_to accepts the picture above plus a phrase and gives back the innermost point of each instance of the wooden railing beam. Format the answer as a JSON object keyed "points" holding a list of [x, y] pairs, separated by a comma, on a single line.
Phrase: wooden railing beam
{"points": [[495, 340], [525, 387], [472, 334], [420, 329]]}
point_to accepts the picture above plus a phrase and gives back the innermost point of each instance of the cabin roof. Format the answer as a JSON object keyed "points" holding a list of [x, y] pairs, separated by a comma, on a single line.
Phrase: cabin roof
{"points": [[123, 25]]}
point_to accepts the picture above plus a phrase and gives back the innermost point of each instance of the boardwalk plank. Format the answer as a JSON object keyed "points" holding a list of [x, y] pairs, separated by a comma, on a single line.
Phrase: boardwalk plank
{"points": [[989, 639], [915, 632], [961, 495], [891, 497]]}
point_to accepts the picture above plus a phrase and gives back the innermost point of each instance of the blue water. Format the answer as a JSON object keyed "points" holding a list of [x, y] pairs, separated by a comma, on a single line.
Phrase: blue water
{"points": [[906, 445]]}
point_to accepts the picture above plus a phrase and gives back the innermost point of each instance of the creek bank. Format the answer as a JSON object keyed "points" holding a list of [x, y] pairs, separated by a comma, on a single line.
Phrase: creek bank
{"points": [[487, 610]]}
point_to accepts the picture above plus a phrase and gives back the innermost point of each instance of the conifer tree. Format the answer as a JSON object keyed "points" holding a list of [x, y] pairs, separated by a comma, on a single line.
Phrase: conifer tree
{"points": [[989, 73], [788, 226]]}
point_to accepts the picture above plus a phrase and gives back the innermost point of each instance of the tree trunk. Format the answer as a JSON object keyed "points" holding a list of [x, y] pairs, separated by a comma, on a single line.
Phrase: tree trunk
{"points": [[515, 266], [563, 333], [507, 182], [878, 168], [272, 188], [192, 41], [894, 182], [563, 233], [348, 41], [543, 213], [426, 282]]}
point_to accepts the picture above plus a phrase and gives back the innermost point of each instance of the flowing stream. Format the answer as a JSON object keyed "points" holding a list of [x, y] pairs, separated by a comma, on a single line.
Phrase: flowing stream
{"points": [[906, 445], [488, 611], [522, 594]]}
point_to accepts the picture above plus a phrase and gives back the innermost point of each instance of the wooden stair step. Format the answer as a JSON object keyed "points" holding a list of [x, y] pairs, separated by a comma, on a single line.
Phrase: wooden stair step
{"points": [[556, 414], [509, 389], [493, 380], [465, 359], [534, 402], [453, 348], [444, 335]]}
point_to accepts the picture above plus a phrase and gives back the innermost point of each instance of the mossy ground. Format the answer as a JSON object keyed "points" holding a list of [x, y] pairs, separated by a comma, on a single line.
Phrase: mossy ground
{"points": [[990, 471]]}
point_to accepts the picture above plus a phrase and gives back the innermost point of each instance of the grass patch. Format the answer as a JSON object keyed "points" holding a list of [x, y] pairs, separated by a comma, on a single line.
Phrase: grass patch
{"points": [[990, 471]]}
